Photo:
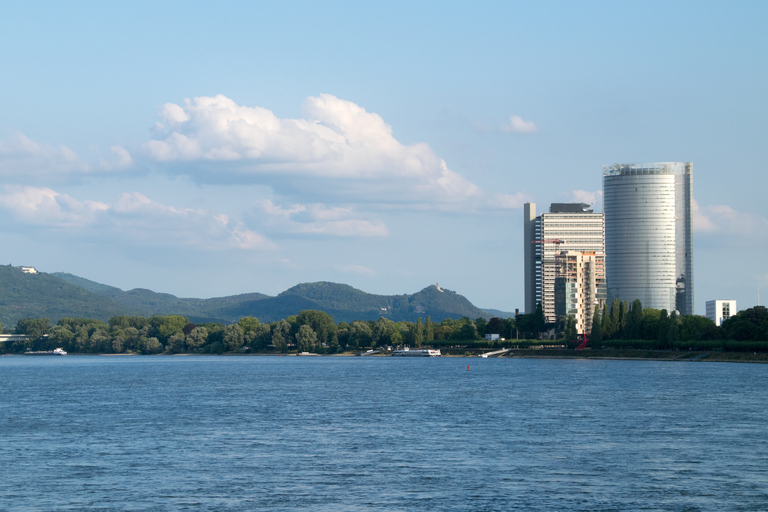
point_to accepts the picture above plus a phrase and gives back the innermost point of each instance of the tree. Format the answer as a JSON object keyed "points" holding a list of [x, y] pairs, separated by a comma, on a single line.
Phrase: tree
{"points": [[176, 343], [748, 325], [664, 328], [634, 321], [360, 334], [321, 323], [306, 338], [233, 337], [150, 345], [570, 328], [465, 331], [281, 335], [33, 327], [197, 338], [622, 326], [496, 326], [596, 336], [383, 330], [248, 323], [606, 326], [481, 324], [417, 333], [162, 327], [429, 330], [538, 320], [695, 328]]}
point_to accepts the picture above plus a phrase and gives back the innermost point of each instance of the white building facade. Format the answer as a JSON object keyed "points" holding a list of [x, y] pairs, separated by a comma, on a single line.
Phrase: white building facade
{"points": [[721, 310], [572, 227]]}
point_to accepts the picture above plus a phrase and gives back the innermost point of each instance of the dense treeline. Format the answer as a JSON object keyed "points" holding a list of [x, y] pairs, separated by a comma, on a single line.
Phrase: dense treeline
{"points": [[617, 326], [309, 331]]}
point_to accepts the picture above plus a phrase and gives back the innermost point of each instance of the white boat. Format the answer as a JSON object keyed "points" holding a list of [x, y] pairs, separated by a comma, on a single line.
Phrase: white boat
{"points": [[424, 352], [55, 352]]}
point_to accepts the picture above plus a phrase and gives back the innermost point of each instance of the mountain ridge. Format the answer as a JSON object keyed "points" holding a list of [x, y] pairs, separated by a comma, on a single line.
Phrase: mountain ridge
{"points": [[61, 294]]}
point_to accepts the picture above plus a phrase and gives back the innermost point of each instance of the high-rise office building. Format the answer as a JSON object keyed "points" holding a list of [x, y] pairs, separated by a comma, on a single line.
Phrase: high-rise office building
{"points": [[567, 227], [648, 234]]}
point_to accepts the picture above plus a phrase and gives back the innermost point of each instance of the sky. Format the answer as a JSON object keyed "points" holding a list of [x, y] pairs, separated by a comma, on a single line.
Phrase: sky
{"points": [[208, 149]]}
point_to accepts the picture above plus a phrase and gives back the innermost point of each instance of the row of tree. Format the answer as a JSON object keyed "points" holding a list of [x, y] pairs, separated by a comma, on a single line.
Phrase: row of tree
{"points": [[309, 331], [633, 322], [316, 331]]}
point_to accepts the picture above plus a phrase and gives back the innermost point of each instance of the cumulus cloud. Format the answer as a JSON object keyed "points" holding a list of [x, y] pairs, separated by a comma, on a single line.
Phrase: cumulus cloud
{"points": [[594, 198], [726, 220], [46, 207], [517, 125], [20, 155], [509, 201], [133, 218], [336, 140], [319, 219]]}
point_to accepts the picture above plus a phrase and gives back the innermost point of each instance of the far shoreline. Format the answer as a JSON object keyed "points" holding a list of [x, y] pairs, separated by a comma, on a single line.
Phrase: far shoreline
{"points": [[597, 354]]}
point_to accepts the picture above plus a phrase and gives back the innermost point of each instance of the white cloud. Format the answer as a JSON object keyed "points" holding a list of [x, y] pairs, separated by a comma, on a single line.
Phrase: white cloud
{"points": [[594, 198], [356, 269], [336, 140], [727, 221], [318, 219], [22, 156], [517, 125], [46, 207], [120, 159], [509, 201], [133, 218]]}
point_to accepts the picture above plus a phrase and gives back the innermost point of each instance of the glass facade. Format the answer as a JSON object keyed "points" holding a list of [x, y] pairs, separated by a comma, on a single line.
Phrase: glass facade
{"points": [[648, 234]]}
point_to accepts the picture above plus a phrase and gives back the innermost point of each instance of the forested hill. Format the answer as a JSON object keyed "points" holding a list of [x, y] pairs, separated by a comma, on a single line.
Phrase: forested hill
{"points": [[46, 296], [58, 295]]}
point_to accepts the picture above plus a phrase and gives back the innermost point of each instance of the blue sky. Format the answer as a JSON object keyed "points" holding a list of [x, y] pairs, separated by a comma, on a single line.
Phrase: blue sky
{"points": [[206, 149]]}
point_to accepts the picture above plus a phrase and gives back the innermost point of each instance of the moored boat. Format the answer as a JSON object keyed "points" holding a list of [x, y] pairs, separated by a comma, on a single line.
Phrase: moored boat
{"points": [[425, 352], [55, 352]]}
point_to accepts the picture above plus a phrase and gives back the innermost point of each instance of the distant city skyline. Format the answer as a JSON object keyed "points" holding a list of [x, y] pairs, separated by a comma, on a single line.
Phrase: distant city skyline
{"points": [[208, 151]]}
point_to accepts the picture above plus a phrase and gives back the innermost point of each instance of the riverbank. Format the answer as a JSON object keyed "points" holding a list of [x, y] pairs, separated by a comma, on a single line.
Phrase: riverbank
{"points": [[652, 355]]}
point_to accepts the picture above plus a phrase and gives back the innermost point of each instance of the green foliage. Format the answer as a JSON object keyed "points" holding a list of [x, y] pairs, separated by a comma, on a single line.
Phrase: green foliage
{"points": [[306, 339], [596, 336], [321, 323], [360, 334], [750, 324], [570, 331], [43, 295], [248, 324], [234, 337], [162, 327], [33, 327]]}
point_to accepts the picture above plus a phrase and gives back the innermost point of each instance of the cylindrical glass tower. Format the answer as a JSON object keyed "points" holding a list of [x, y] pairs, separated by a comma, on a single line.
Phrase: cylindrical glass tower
{"points": [[648, 234]]}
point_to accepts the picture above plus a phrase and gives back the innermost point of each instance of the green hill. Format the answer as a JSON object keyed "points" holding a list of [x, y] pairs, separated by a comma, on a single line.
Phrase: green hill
{"points": [[61, 294], [43, 295]]}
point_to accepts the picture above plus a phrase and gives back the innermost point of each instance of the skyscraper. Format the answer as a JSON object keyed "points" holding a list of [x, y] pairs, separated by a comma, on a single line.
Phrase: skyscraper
{"points": [[648, 234], [567, 227]]}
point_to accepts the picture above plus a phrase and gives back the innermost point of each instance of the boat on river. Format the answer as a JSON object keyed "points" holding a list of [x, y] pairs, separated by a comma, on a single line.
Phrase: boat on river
{"points": [[424, 352], [55, 352]]}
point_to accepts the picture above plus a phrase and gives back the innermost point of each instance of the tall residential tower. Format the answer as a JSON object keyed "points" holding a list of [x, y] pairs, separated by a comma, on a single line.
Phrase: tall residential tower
{"points": [[648, 234], [570, 227]]}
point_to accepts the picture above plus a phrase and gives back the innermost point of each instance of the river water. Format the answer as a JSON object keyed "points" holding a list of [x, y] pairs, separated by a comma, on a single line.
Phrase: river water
{"points": [[381, 434]]}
